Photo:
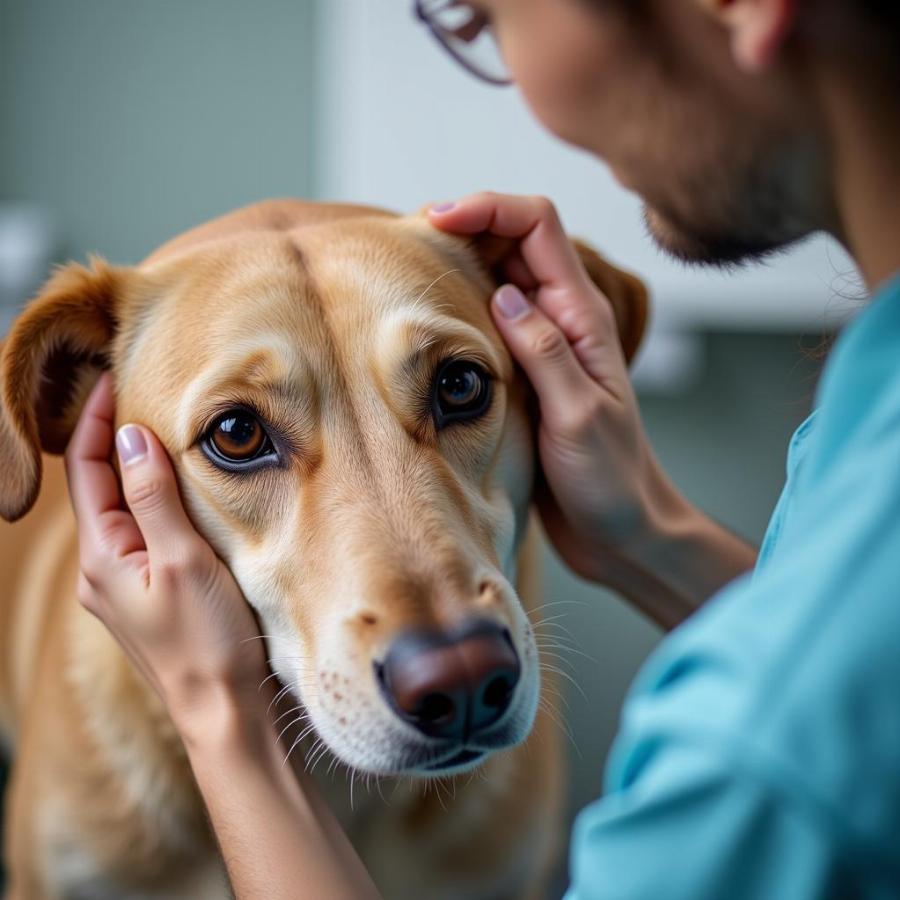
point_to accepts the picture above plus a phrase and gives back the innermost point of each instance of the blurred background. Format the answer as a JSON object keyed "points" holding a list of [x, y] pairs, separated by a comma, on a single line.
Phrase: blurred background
{"points": [[124, 122]]}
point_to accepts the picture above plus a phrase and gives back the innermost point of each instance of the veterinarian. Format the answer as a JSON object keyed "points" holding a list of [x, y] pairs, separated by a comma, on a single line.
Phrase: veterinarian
{"points": [[759, 755]]}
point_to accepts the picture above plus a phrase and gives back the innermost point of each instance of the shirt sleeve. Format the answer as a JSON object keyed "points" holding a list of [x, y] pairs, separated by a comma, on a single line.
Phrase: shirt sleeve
{"points": [[699, 824]]}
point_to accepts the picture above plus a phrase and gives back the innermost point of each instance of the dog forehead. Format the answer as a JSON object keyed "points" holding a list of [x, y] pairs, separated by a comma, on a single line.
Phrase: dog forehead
{"points": [[367, 268], [324, 293]]}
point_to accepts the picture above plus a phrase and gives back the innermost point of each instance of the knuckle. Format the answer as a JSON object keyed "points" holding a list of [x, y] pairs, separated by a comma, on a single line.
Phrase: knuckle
{"points": [[550, 345], [585, 415], [196, 563], [589, 346], [183, 564], [576, 320], [91, 565], [147, 495], [606, 316], [484, 198], [169, 571], [544, 206], [87, 597]]}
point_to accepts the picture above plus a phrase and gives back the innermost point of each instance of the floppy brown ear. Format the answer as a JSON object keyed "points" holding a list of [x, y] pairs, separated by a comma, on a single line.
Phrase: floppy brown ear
{"points": [[626, 292], [49, 361]]}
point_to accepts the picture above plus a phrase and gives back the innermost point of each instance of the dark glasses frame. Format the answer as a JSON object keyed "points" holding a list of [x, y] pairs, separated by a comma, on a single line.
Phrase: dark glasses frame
{"points": [[439, 35]]}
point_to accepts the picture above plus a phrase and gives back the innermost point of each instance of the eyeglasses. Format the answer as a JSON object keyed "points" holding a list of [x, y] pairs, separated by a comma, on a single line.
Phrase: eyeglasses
{"points": [[465, 33]]}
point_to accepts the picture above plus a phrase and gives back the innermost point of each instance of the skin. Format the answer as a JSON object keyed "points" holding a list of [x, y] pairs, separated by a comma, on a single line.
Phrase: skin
{"points": [[792, 130]]}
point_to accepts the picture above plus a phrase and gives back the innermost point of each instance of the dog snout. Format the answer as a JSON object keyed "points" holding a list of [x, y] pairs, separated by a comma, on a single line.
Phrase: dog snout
{"points": [[451, 685]]}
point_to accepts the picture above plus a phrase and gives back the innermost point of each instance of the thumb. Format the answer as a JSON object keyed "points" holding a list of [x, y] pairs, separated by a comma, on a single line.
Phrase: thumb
{"points": [[539, 347], [150, 489]]}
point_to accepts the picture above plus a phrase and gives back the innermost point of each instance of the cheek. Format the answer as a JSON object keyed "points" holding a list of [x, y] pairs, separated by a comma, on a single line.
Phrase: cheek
{"points": [[509, 488], [564, 65], [233, 511]]}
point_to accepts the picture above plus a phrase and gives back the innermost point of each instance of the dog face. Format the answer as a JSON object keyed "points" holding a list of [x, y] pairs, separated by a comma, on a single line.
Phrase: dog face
{"points": [[350, 435]]}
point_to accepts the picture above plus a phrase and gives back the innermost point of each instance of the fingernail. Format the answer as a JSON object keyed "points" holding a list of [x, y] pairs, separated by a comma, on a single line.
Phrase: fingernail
{"points": [[443, 207], [511, 302], [131, 444]]}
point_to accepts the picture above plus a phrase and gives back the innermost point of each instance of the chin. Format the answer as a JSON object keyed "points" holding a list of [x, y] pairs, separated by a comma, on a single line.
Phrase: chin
{"points": [[707, 246]]}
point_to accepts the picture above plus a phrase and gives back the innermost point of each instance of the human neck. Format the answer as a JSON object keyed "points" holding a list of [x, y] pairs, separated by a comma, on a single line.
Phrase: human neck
{"points": [[863, 121]]}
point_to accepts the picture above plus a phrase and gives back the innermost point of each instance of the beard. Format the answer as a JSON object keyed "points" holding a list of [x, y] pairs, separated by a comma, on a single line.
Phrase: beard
{"points": [[740, 212]]}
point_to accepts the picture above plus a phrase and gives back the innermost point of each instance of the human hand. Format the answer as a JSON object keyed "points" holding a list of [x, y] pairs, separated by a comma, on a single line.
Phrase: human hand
{"points": [[149, 576], [603, 487]]}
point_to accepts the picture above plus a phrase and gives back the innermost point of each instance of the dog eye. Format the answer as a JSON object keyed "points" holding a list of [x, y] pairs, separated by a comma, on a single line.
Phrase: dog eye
{"points": [[462, 390], [237, 438]]}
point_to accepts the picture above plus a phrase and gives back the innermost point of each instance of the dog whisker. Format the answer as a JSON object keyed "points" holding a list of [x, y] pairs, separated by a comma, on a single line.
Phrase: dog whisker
{"points": [[547, 667], [558, 696], [557, 657], [561, 724], [323, 751], [288, 726], [312, 749], [288, 712], [433, 283], [263, 637], [549, 603], [267, 678], [275, 700]]}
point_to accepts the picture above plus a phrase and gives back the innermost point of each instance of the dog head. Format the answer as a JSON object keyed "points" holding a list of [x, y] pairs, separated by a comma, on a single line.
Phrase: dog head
{"points": [[349, 433]]}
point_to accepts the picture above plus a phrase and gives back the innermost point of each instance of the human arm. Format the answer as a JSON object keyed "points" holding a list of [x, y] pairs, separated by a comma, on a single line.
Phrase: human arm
{"points": [[607, 505], [178, 613]]}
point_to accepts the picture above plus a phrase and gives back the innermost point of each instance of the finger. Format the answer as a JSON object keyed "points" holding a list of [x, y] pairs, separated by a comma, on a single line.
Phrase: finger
{"points": [[587, 320], [92, 482], [534, 221], [93, 486], [150, 489], [516, 271], [571, 300], [540, 348]]}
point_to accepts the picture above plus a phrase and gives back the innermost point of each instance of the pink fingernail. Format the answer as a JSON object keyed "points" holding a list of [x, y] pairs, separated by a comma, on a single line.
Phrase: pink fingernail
{"points": [[511, 302], [131, 444], [443, 207]]}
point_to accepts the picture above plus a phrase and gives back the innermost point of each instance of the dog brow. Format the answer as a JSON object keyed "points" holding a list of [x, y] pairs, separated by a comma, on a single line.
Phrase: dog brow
{"points": [[414, 338], [260, 366]]}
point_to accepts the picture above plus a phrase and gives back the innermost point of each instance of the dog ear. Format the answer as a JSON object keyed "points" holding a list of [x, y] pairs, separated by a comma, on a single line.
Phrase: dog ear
{"points": [[49, 361], [626, 293]]}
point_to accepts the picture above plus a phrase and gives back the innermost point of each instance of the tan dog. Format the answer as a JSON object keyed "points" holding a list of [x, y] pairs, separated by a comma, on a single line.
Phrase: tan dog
{"points": [[351, 436]]}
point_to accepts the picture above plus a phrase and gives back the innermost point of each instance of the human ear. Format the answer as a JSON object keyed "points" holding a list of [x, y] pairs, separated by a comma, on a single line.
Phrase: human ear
{"points": [[757, 29]]}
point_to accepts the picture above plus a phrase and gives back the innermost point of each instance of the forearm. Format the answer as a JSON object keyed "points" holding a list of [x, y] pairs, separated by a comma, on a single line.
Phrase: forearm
{"points": [[678, 561], [276, 835]]}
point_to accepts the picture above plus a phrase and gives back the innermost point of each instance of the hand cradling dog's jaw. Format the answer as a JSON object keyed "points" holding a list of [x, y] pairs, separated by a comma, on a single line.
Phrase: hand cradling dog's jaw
{"points": [[351, 436]]}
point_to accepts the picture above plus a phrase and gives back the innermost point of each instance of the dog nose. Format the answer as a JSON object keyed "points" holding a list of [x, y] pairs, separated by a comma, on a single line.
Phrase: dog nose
{"points": [[451, 685]]}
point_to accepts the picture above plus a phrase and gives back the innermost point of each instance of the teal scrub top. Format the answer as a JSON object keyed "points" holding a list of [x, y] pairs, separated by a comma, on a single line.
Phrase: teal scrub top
{"points": [[759, 750]]}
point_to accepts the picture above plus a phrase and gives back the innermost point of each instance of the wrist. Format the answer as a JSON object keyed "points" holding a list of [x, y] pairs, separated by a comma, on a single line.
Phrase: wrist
{"points": [[676, 558], [666, 516], [216, 713], [639, 533]]}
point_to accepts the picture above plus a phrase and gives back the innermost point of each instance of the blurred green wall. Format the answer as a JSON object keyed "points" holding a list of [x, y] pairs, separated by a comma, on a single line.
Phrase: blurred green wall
{"points": [[131, 120]]}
